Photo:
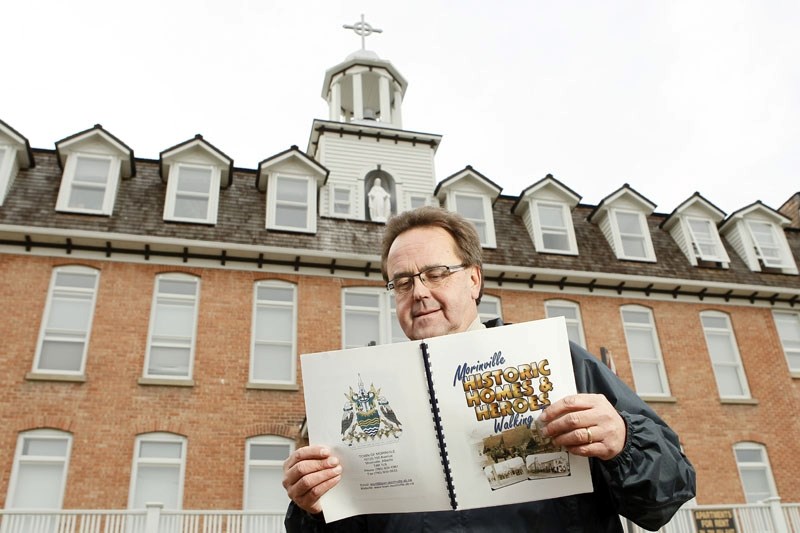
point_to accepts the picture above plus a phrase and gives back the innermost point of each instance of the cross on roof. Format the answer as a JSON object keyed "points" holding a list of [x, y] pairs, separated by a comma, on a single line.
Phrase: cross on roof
{"points": [[363, 29]]}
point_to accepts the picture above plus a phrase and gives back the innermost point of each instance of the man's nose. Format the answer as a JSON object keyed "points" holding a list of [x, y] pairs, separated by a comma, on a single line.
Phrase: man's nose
{"points": [[420, 290]]}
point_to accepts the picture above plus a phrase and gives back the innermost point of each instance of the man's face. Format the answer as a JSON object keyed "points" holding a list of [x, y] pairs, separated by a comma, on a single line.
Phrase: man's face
{"points": [[426, 312]]}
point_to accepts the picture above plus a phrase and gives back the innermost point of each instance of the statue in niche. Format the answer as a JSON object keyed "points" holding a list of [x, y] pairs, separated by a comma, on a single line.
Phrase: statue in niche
{"points": [[380, 202]]}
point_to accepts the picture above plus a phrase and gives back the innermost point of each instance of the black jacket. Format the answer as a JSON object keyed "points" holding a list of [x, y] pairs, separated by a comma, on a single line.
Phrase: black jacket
{"points": [[647, 482]]}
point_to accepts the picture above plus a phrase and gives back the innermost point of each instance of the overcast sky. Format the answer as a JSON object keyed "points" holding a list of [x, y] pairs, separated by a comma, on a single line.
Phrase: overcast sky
{"points": [[671, 97]]}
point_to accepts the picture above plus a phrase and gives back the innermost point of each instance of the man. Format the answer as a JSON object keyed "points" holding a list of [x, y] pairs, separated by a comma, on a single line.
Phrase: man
{"points": [[431, 258]]}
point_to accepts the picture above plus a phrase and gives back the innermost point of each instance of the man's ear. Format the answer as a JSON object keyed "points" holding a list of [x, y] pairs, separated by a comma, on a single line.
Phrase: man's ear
{"points": [[476, 277]]}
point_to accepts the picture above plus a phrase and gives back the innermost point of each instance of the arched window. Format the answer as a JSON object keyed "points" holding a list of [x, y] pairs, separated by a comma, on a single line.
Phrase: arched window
{"points": [[159, 464], [724, 353], [39, 474], [67, 321], [647, 363], [264, 457], [788, 325], [572, 314], [274, 339], [173, 327], [489, 308], [754, 471], [369, 317]]}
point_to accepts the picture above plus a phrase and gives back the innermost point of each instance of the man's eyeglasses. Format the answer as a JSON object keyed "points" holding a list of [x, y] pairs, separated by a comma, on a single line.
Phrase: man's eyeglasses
{"points": [[430, 277]]}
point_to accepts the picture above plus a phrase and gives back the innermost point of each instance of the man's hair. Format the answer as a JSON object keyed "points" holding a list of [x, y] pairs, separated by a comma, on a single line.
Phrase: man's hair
{"points": [[468, 243]]}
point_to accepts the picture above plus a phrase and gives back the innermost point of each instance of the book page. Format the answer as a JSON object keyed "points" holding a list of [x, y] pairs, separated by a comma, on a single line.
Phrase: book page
{"points": [[491, 386], [371, 407]]}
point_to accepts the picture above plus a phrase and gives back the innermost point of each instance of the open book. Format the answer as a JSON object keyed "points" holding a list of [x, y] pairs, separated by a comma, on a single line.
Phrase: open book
{"points": [[444, 423]]}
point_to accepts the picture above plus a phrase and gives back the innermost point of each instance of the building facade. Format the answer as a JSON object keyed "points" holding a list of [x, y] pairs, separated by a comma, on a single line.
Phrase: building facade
{"points": [[155, 310]]}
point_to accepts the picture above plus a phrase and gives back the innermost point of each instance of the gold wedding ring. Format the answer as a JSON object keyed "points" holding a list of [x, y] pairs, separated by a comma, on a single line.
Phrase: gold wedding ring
{"points": [[589, 433]]}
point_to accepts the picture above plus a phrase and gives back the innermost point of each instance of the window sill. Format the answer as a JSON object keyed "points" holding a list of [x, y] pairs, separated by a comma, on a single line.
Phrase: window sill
{"points": [[42, 376], [272, 386], [291, 229], [795, 374], [738, 401], [167, 382], [659, 399]]}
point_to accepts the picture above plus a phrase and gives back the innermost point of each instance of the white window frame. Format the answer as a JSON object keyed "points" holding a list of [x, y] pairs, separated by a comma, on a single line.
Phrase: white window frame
{"points": [[174, 341], [47, 333], [173, 192], [716, 363], [310, 205], [349, 203], [265, 464], [488, 219], [657, 360], [567, 230], [754, 466], [8, 155], [782, 261], [21, 460], [696, 242], [166, 462], [484, 311], [388, 326], [791, 346], [68, 182], [647, 244], [576, 322], [260, 337]]}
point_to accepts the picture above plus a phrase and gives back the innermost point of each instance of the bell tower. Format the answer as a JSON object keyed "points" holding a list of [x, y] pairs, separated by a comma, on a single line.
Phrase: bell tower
{"points": [[376, 168], [364, 88]]}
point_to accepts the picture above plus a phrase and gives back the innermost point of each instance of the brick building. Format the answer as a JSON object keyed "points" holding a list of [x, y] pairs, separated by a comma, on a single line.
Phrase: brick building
{"points": [[155, 309]]}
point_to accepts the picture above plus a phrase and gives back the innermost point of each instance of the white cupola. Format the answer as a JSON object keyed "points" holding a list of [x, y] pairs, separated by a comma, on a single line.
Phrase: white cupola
{"points": [[364, 88]]}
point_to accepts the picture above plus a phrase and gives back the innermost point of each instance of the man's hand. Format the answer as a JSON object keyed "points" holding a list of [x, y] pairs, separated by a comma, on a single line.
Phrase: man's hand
{"points": [[585, 424], [309, 473]]}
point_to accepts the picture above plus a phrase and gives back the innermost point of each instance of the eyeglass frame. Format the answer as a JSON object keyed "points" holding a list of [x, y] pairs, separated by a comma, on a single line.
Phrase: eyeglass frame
{"points": [[451, 269]]}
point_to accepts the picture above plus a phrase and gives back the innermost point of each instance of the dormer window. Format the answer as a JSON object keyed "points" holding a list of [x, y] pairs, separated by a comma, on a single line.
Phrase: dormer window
{"points": [[15, 153], [474, 209], [622, 217], [192, 193], [546, 209], [631, 229], [766, 244], [554, 228], [291, 180], [705, 240], [693, 225], [7, 156], [195, 171], [89, 184], [291, 200], [471, 194], [756, 233], [93, 163]]}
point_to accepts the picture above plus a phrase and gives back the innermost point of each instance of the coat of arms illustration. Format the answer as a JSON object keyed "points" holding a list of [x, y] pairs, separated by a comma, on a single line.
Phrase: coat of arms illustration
{"points": [[367, 415]]}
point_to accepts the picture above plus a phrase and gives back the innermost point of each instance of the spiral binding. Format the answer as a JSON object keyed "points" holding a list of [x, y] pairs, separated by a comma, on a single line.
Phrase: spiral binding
{"points": [[437, 421]]}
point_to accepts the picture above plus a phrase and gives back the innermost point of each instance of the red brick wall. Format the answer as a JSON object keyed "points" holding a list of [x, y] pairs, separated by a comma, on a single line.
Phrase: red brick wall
{"points": [[707, 427], [106, 412]]}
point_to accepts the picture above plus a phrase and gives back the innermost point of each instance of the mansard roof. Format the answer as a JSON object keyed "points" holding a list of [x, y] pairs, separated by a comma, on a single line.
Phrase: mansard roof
{"points": [[28, 220]]}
